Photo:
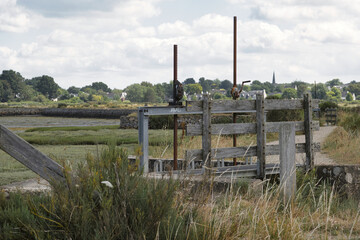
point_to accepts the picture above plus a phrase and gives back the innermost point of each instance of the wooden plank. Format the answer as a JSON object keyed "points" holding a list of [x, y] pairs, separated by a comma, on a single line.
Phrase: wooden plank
{"points": [[30, 157], [249, 105], [308, 132], [144, 140], [260, 135], [222, 105], [243, 128], [220, 153], [287, 161], [206, 132]]}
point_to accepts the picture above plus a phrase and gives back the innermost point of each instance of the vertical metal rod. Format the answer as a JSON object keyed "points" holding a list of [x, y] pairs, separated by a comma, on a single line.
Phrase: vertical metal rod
{"points": [[234, 80], [235, 50], [175, 116]]}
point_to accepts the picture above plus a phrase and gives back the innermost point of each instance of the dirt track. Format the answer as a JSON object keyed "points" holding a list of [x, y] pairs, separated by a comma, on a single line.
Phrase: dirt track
{"points": [[320, 158]]}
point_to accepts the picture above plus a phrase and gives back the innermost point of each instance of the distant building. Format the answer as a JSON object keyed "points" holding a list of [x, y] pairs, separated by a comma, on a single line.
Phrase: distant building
{"points": [[252, 94], [344, 94]]}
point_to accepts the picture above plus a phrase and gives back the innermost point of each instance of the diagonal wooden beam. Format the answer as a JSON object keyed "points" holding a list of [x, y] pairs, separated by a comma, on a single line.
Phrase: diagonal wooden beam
{"points": [[29, 156]]}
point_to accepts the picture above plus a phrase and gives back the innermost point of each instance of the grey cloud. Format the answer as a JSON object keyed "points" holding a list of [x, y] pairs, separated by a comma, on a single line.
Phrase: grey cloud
{"points": [[61, 8]]}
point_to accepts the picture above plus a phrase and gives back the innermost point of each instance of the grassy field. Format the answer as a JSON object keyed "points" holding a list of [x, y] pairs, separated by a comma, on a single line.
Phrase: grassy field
{"points": [[57, 138]]}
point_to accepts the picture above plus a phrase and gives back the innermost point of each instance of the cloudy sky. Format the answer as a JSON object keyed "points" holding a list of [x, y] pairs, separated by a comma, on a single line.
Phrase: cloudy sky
{"points": [[121, 42]]}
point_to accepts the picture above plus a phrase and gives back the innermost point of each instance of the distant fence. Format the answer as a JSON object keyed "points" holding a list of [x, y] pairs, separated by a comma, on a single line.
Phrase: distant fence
{"points": [[331, 116]]}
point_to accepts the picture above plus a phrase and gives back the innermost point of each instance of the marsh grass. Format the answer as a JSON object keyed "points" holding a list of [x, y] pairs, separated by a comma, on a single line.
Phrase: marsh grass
{"points": [[140, 208], [72, 128]]}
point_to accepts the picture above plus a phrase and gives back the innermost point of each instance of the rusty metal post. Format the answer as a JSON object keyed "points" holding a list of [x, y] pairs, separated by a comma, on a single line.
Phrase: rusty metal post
{"points": [[234, 80], [175, 116]]}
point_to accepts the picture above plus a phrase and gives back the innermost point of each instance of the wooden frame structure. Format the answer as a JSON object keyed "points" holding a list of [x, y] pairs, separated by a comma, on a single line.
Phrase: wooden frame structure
{"points": [[207, 107]]}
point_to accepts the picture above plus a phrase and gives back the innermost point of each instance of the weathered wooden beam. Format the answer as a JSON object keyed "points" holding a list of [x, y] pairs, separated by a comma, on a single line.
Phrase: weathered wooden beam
{"points": [[243, 128], [287, 161], [220, 153], [308, 132], [249, 105], [260, 135], [30, 156], [144, 140], [206, 132]]}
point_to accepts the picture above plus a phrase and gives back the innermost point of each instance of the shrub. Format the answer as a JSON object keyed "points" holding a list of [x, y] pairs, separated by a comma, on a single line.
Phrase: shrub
{"points": [[327, 104], [350, 122], [62, 105], [125, 206]]}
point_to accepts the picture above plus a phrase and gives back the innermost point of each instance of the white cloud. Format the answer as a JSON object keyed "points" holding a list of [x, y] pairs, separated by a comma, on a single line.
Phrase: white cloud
{"points": [[178, 28], [120, 45], [13, 18]]}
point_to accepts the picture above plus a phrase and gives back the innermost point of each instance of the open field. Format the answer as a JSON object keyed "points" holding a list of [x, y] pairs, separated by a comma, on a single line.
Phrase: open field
{"points": [[71, 139]]}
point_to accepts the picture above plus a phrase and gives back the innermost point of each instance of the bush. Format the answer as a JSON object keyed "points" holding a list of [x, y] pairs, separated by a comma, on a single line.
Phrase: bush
{"points": [[350, 122], [62, 105], [327, 104], [125, 206]]}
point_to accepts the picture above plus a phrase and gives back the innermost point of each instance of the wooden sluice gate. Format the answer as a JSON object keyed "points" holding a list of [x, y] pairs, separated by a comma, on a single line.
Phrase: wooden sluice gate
{"points": [[207, 158]]}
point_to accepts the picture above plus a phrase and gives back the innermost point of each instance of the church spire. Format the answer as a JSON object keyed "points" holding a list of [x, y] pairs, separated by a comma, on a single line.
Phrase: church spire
{"points": [[273, 80]]}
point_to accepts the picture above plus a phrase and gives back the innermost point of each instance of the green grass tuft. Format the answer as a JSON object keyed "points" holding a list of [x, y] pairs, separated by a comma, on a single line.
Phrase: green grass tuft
{"points": [[72, 128]]}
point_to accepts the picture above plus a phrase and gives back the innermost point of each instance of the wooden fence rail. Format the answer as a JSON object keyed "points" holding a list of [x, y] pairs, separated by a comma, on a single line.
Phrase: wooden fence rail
{"points": [[243, 128], [30, 156]]}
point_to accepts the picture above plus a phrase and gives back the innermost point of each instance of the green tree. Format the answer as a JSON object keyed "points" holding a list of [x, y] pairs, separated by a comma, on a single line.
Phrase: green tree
{"points": [[135, 92], [334, 82], [146, 84], [73, 90], [100, 86], [6, 93], [150, 95], [160, 92], [301, 88], [205, 84], [195, 88], [337, 92], [289, 93], [349, 97], [46, 86], [189, 81], [226, 84], [28, 93], [15, 81], [354, 87], [318, 91], [219, 96]]}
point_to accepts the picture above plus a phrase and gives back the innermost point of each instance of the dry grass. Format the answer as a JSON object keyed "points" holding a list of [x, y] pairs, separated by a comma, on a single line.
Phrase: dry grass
{"points": [[343, 147]]}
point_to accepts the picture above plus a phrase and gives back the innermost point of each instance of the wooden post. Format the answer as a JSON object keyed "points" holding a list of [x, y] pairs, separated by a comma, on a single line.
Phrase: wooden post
{"points": [[308, 132], [206, 132], [144, 140], [287, 161], [30, 157], [260, 128]]}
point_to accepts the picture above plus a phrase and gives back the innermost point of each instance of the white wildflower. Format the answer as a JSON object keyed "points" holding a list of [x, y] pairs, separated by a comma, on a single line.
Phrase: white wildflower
{"points": [[108, 184]]}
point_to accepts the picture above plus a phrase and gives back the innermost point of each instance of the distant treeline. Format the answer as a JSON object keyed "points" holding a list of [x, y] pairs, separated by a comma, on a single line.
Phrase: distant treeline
{"points": [[14, 87]]}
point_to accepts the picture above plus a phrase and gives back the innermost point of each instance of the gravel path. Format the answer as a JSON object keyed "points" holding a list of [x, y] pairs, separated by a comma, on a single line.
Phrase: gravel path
{"points": [[320, 158]]}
